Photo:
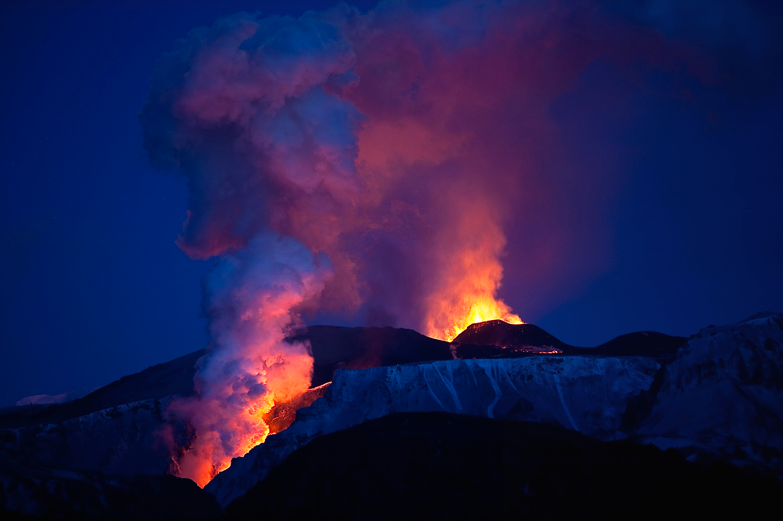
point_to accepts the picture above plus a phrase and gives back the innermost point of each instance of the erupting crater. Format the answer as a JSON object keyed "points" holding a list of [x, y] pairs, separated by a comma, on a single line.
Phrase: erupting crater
{"points": [[481, 311]]}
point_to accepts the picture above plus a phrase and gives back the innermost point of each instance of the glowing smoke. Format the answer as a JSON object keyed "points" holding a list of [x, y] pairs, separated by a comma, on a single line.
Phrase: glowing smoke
{"points": [[368, 165], [252, 298], [269, 158]]}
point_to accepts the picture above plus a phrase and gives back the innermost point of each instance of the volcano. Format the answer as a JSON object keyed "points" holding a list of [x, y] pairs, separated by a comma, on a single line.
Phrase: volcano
{"points": [[523, 339], [711, 399]]}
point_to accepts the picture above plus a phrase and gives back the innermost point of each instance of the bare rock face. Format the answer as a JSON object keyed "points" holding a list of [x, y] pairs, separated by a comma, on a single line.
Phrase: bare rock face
{"points": [[722, 397], [587, 394]]}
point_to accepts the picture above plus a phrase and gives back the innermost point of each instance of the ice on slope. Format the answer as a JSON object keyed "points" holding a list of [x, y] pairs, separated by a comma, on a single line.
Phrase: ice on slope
{"points": [[723, 395], [588, 394]]}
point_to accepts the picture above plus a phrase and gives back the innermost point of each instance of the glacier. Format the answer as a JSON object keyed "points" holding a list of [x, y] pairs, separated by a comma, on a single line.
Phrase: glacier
{"points": [[583, 393], [722, 396]]}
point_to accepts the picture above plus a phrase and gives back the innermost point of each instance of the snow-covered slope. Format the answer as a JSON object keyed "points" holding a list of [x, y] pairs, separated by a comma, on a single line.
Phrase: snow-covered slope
{"points": [[588, 394], [119, 440], [723, 395]]}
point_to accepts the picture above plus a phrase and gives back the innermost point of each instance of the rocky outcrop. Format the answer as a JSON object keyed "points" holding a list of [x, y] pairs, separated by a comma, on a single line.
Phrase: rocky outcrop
{"points": [[722, 397], [587, 394]]}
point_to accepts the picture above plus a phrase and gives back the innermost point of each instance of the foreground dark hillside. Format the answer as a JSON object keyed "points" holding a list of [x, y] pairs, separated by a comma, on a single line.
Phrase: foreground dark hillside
{"points": [[447, 466], [29, 492]]}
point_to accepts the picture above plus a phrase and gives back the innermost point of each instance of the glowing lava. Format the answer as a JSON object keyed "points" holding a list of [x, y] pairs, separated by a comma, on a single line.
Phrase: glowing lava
{"points": [[470, 278], [250, 367], [479, 310]]}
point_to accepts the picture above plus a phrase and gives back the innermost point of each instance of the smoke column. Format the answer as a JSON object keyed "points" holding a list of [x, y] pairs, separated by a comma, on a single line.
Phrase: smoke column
{"points": [[242, 110], [249, 367], [367, 165]]}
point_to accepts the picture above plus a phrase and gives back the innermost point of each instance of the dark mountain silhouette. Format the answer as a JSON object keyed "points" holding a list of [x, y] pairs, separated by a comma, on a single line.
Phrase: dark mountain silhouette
{"points": [[502, 334], [448, 466], [526, 339], [29, 490], [362, 347], [336, 348]]}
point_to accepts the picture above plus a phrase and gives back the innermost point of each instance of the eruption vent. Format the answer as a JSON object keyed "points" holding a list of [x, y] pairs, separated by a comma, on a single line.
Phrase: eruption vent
{"points": [[366, 166]]}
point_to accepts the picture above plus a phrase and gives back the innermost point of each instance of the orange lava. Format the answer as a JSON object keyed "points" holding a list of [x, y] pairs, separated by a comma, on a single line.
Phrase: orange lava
{"points": [[471, 312], [451, 314], [470, 278], [232, 421]]}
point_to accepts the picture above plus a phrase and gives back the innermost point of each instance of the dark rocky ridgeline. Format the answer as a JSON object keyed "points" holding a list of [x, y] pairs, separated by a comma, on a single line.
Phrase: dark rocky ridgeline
{"points": [[447, 466], [482, 340], [640, 343], [336, 348], [719, 399]]}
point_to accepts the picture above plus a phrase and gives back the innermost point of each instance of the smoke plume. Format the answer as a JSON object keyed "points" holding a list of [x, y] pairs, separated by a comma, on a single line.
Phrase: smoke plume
{"points": [[368, 166]]}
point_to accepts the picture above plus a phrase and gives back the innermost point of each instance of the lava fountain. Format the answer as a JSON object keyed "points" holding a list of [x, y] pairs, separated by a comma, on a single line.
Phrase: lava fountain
{"points": [[363, 165]]}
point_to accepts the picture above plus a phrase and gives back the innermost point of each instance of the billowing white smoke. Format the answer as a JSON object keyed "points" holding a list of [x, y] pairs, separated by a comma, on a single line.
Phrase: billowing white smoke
{"points": [[269, 157], [404, 145], [252, 298]]}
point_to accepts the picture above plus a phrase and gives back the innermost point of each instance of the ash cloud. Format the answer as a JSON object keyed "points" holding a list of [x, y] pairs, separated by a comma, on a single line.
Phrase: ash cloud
{"points": [[371, 165]]}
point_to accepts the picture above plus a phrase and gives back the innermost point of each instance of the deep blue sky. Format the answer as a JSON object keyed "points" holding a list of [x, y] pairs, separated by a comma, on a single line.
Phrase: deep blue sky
{"points": [[92, 286]]}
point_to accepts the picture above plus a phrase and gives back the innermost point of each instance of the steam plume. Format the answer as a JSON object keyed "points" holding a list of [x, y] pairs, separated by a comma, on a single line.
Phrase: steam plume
{"points": [[252, 295], [368, 165]]}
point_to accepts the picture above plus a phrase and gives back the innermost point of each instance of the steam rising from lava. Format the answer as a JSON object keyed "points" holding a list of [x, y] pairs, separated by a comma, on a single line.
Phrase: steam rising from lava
{"points": [[366, 165], [252, 295]]}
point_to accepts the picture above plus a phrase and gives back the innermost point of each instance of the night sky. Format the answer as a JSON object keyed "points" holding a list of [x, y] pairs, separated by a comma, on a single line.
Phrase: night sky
{"points": [[686, 222]]}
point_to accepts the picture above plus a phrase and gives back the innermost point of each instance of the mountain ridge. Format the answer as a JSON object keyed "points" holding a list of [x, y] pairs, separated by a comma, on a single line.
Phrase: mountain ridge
{"points": [[714, 398], [333, 348]]}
